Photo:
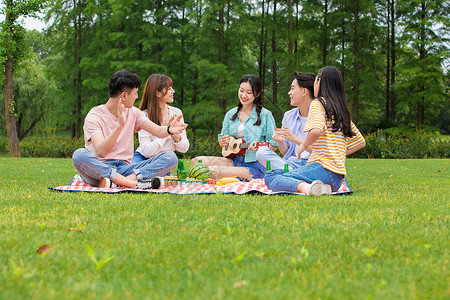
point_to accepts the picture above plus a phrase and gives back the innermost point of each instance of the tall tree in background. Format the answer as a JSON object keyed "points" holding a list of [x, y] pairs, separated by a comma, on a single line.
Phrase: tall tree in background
{"points": [[356, 67], [393, 58], [274, 55], [13, 49], [426, 32], [69, 24], [35, 94], [325, 33]]}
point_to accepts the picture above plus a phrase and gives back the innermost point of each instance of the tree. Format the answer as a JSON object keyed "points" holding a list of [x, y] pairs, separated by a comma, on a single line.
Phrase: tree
{"points": [[13, 50], [426, 26], [35, 95], [68, 29]]}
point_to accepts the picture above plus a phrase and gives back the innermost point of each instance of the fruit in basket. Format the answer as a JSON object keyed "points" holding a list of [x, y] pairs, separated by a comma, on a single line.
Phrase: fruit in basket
{"points": [[199, 171]]}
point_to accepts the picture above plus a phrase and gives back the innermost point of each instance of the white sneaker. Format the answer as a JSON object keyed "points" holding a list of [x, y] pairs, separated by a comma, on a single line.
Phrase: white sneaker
{"points": [[318, 188], [110, 184], [155, 183]]}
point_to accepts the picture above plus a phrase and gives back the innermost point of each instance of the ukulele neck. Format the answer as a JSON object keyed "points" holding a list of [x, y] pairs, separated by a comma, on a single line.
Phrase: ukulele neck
{"points": [[244, 145]]}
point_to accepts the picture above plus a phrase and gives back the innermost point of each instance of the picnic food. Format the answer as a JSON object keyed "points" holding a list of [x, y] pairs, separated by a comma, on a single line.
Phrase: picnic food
{"points": [[227, 180], [199, 171]]}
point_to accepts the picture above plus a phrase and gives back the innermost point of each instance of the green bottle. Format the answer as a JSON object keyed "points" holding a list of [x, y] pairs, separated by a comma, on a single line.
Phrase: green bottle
{"points": [[268, 168], [181, 171], [286, 168]]}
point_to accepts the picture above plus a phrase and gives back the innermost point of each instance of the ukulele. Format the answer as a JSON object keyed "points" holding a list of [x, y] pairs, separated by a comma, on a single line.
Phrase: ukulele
{"points": [[238, 147]]}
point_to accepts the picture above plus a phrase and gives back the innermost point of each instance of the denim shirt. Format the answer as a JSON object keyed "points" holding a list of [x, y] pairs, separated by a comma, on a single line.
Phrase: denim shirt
{"points": [[252, 133]]}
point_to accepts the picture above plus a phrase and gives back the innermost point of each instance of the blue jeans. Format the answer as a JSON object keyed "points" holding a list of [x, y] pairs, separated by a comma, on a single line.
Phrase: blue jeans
{"points": [[265, 154], [254, 167], [288, 182], [138, 157], [93, 170]]}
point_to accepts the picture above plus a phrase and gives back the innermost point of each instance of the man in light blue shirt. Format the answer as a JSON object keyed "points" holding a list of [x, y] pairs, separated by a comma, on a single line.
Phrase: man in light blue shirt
{"points": [[291, 135]]}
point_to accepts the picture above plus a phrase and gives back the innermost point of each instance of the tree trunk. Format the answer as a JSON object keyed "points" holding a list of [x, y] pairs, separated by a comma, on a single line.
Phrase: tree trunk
{"points": [[290, 33], [420, 106], [159, 22], [261, 42], [343, 45], [221, 53], [11, 128], [194, 101], [388, 64], [392, 47], [183, 54], [264, 64], [297, 26], [78, 124], [355, 109], [274, 61], [325, 34]]}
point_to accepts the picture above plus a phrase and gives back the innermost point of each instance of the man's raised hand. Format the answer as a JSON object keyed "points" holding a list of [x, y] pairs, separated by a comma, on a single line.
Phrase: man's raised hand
{"points": [[120, 113]]}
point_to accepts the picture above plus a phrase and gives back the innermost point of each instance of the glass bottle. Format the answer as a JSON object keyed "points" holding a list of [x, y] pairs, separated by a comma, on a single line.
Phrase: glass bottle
{"points": [[181, 171], [268, 167]]}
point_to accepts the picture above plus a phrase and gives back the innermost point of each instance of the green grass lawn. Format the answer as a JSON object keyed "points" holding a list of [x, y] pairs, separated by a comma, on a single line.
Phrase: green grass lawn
{"points": [[388, 240]]}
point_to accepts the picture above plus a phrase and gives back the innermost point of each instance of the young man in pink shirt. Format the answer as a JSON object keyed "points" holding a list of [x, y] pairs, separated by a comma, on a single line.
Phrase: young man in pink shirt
{"points": [[109, 140]]}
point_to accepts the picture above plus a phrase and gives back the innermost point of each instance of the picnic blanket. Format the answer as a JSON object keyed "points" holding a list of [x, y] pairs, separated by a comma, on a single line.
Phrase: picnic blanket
{"points": [[186, 189]]}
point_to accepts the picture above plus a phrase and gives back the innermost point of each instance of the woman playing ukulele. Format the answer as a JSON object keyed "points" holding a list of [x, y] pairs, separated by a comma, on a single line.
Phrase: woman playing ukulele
{"points": [[250, 122]]}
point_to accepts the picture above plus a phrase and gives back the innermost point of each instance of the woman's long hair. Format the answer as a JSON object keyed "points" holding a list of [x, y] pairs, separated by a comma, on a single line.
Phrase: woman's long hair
{"points": [[150, 101], [256, 84], [332, 96]]}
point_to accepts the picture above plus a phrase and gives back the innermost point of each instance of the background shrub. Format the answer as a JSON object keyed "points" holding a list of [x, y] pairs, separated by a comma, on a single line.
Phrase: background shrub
{"points": [[202, 146], [50, 146], [398, 143], [395, 143]]}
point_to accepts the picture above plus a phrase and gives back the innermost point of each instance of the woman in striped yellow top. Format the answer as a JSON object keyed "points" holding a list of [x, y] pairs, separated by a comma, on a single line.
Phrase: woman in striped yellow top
{"points": [[331, 137]]}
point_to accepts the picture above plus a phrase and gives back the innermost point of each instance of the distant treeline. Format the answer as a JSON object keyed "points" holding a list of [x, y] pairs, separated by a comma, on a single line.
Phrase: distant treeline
{"points": [[390, 52]]}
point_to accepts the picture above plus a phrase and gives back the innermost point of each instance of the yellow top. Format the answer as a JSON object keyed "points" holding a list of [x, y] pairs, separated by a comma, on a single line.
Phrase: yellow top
{"points": [[330, 148]]}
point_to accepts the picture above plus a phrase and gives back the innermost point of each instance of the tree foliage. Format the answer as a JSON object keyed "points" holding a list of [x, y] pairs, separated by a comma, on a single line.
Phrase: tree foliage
{"points": [[390, 52]]}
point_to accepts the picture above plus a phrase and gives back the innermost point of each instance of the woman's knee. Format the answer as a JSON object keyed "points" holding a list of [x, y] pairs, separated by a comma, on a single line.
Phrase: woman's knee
{"points": [[170, 157]]}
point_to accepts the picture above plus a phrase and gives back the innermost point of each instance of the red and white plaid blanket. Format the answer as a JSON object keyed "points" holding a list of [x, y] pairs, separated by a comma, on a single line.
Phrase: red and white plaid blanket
{"points": [[236, 188]]}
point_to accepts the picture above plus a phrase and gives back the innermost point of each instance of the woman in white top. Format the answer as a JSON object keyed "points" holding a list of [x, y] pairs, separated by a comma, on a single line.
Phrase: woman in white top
{"points": [[157, 95]]}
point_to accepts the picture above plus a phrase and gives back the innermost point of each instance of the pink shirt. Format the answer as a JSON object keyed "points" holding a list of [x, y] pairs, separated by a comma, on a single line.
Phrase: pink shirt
{"points": [[101, 120]]}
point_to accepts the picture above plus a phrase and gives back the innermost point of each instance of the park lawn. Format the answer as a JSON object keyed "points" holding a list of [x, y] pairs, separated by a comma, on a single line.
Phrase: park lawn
{"points": [[388, 240]]}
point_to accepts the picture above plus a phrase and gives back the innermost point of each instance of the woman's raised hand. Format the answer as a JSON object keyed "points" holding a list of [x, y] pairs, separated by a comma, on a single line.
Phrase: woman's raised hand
{"points": [[176, 126]]}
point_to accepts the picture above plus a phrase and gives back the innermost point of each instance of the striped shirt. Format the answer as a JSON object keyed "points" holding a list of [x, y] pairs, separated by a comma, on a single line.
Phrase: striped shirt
{"points": [[330, 148]]}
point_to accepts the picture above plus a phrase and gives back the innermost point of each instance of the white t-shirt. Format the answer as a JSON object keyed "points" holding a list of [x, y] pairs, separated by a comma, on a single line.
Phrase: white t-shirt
{"points": [[241, 130]]}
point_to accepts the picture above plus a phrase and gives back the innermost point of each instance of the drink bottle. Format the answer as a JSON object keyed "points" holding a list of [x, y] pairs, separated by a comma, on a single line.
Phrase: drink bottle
{"points": [[181, 171], [268, 168]]}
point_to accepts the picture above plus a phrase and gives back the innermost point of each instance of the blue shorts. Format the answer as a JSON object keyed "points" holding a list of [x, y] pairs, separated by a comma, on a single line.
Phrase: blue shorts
{"points": [[254, 167]]}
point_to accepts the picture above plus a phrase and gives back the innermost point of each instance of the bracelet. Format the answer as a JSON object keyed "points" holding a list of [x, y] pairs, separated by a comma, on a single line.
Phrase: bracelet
{"points": [[168, 131]]}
